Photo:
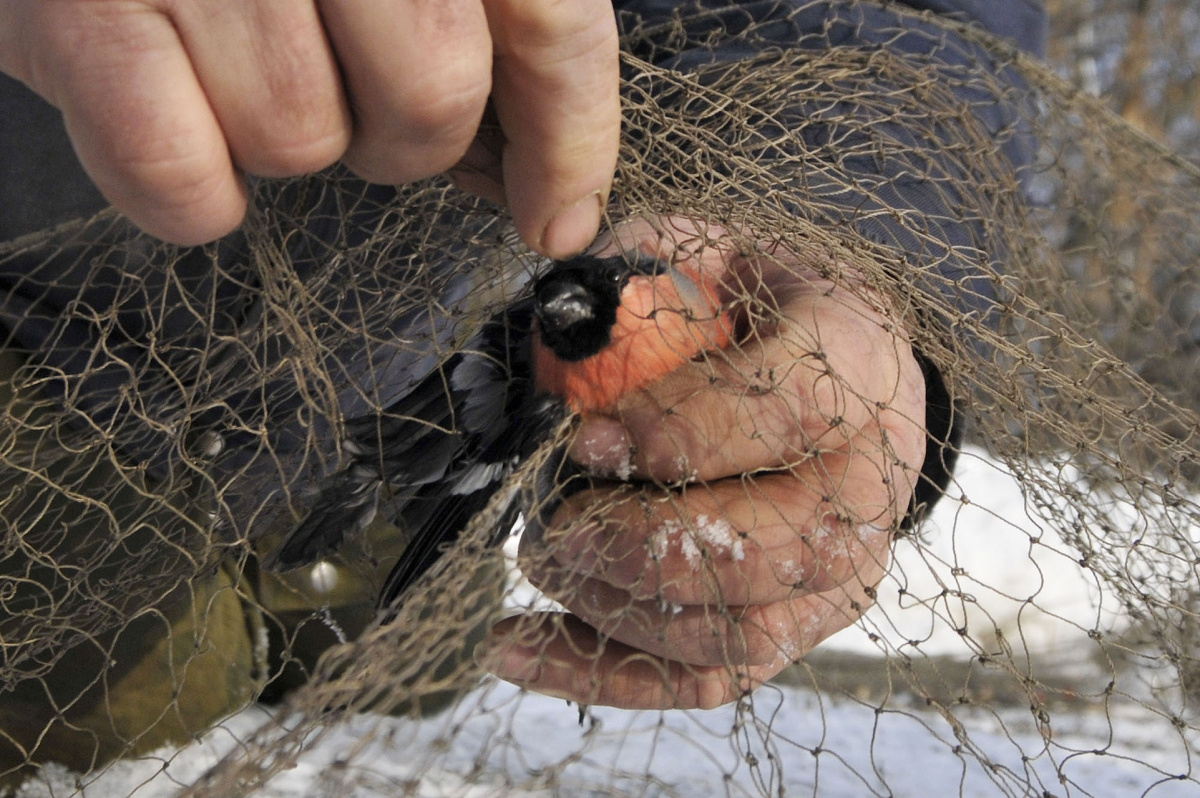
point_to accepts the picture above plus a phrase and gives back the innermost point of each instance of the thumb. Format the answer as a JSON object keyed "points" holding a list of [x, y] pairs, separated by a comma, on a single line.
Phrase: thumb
{"points": [[555, 90]]}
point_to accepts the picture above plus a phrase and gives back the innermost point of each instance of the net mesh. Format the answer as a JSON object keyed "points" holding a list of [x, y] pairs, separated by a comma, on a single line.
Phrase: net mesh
{"points": [[1036, 634]]}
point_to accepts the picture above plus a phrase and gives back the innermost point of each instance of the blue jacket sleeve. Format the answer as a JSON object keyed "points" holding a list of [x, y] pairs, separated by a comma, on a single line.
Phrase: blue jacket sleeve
{"points": [[863, 152], [888, 169]]}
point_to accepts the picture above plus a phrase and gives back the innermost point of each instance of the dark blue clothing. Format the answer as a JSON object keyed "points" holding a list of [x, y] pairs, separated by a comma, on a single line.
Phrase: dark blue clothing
{"points": [[202, 370], [868, 153], [888, 169]]}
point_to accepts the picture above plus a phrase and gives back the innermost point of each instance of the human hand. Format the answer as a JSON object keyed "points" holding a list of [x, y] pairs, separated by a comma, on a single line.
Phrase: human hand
{"points": [[169, 103], [792, 456]]}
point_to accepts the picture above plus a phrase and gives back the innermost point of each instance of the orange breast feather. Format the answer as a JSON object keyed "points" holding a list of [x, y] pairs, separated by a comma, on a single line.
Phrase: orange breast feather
{"points": [[663, 322]]}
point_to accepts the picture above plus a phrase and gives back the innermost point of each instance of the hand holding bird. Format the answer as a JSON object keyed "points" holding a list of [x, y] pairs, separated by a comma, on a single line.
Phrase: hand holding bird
{"points": [[767, 481], [763, 423], [593, 331]]}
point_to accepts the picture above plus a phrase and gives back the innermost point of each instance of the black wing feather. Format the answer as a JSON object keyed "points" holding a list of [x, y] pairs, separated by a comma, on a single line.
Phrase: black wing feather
{"points": [[417, 462], [436, 533]]}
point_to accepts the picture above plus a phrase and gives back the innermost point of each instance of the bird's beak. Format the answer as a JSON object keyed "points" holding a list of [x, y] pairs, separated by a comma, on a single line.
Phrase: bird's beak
{"points": [[561, 305]]}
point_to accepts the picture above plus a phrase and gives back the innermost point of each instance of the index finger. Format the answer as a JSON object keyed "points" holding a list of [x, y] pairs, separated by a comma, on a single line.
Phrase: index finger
{"points": [[555, 89]]}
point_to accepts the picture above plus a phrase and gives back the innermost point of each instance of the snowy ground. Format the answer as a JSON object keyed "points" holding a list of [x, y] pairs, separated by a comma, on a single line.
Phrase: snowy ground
{"points": [[501, 742], [792, 741]]}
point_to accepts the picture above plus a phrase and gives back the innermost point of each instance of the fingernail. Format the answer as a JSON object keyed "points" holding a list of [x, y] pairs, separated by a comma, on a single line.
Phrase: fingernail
{"points": [[573, 228], [508, 662], [602, 446]]}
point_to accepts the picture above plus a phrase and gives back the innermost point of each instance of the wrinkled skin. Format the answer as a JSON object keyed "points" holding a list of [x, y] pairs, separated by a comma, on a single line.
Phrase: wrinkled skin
{"points": [[822, 403], [168, 103]]}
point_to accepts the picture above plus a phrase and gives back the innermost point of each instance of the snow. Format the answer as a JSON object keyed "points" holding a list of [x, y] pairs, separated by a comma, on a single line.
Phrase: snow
{"points": [[500, 741], [984, 572], [714, 535], [1008, 574]]}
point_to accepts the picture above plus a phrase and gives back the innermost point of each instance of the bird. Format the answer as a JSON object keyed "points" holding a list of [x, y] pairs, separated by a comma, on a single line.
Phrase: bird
{"points": [[592, 330]]}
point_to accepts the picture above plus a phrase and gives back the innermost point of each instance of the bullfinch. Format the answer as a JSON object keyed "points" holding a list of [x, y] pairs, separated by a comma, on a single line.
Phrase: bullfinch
{"points": [[593, 330]]}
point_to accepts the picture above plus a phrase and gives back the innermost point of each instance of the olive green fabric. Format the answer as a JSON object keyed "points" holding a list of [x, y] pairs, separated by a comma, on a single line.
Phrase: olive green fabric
{"points": [[311, 609], [167, 675], [102, 690], [178, 665]]}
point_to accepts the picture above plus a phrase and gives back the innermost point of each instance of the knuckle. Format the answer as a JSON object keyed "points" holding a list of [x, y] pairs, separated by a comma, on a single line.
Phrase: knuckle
{"points": [[284, 113], [684, 690], [301, 130], [61, 48], [541, 19], [449, 107], [284, 151], [180, 203], [707, 693], [665, 447], [826, 570], [174, 169], [426, 131]]}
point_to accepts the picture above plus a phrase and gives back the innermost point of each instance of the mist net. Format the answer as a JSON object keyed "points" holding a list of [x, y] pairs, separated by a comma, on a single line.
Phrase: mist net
{"points": [[171, 414]]}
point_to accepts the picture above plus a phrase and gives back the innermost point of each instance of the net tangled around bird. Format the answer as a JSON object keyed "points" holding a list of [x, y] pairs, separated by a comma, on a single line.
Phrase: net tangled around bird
{"points": [[172, 413]]}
